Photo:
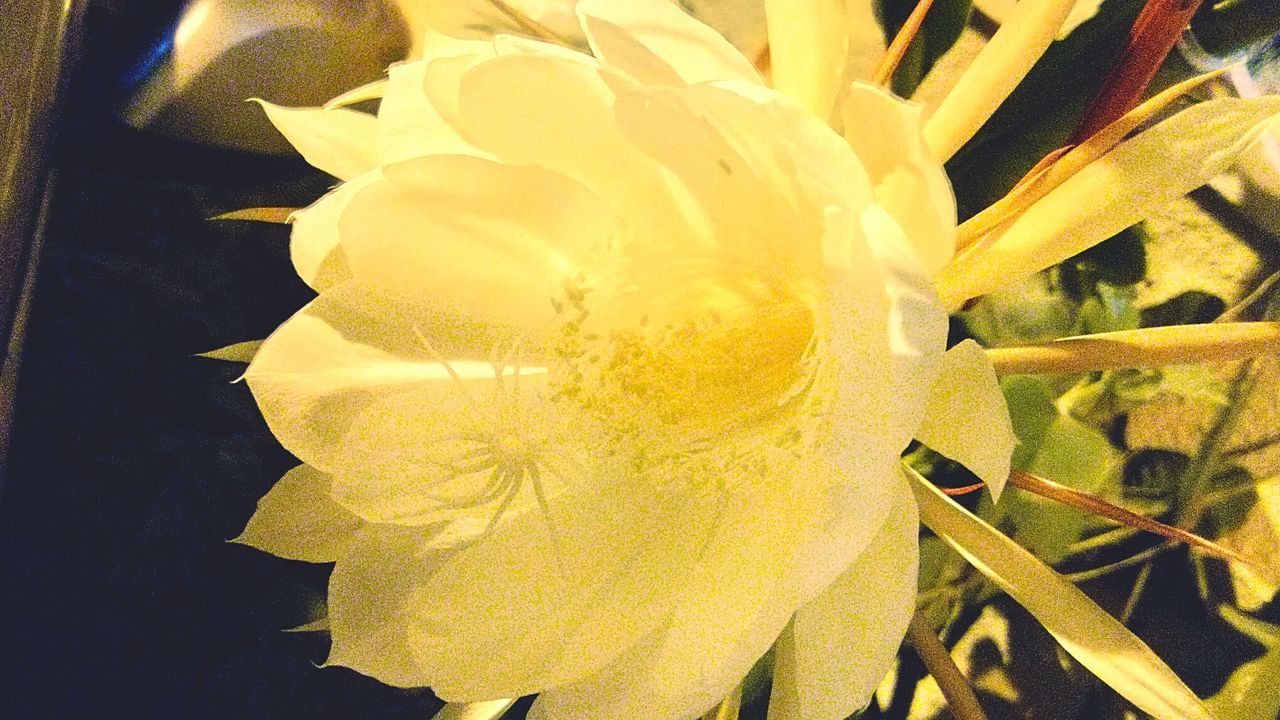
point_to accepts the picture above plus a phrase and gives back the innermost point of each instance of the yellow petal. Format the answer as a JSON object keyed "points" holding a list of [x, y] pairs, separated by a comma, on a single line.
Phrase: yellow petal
{"points": [[1094, 638], [841, 644], [486, 710], [1121, 188], [314, 244], [657, 43], [408, 124], [370, 595], [549, 598], [1003, 62], [357, 385], [808, 46], [733, 605], [909, 183], [518, 108], [967, 419], [477, 238], [340, 142], [298, 519]]}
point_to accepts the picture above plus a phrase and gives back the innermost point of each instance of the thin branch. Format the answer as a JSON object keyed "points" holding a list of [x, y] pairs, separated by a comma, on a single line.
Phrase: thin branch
{"points": [[955, 687], [898, 48]]}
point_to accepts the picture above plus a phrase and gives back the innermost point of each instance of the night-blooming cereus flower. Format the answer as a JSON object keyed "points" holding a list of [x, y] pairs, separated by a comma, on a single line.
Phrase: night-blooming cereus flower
{"points": [[612, 364]]}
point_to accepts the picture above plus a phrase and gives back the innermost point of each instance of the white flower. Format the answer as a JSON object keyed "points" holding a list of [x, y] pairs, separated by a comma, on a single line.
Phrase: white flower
{"points": [[612, 364]]}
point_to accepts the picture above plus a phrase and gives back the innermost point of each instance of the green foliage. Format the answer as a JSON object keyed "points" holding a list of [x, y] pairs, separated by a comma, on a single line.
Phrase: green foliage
{"points": [[1234, 26], [1193, 306], [942, 27]]}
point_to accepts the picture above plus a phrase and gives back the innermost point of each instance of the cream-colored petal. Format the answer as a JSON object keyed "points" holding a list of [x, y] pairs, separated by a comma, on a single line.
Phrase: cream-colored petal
{"points": [[1119, 189], [550, 597], [370, 595], [910, 183], [1094, 638], [763, 170], [997, 70], [519, 107], [734, 604], [967, 419], [340, 142], [866, 39], [408, 124], [298, 519], [477, 238], [357, 385], [808, 47], [657, 43], [314, 245], [842, 643]]}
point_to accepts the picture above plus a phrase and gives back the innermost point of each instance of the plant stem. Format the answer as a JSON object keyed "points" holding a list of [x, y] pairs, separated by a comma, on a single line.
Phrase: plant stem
{"points": [[955, 688]]}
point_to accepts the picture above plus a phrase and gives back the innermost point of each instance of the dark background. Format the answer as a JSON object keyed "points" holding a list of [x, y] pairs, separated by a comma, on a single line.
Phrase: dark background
{"points": [[132, 462]]}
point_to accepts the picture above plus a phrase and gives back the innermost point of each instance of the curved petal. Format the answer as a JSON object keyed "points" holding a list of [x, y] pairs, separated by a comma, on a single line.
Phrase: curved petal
{"points": [[909, 183], [340, 142], [657, 43], [298, 519], [763, 169], [519, 107], [967, 419], [314, 245], [552, 596], [734, 604], [370, 591], [481, 239], [357, 385], [842, 643], [408, 124]]}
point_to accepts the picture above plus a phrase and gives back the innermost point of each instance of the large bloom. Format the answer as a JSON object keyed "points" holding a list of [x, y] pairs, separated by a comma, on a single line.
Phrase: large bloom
{"points": [[612, 364]]}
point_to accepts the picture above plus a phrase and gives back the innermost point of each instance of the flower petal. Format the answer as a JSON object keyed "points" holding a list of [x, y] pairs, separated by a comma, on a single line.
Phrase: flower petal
{"points": [[340, 142], [1117, 190], [549, 598], [1094, 638], [909, 183], [369, 594], [314, 244], [657, 43], [481, 239], [518, 107], [298, 519], [734, 604], [408, 124], [808, 46], [842, 643], [350, 385], [967, 419]]}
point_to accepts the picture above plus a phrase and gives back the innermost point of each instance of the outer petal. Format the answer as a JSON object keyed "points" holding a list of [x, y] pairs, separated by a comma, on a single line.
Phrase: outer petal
{"points": [[314, 245], [550, 597], [370, 595], [737, 600], [340, 142], [808, 47], [843, 642], [909, 183], [1114, 192], [351, 386], [519, 107], [657, 43], [299, 520], [485, 240], [967, 419], [408, 124]]}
